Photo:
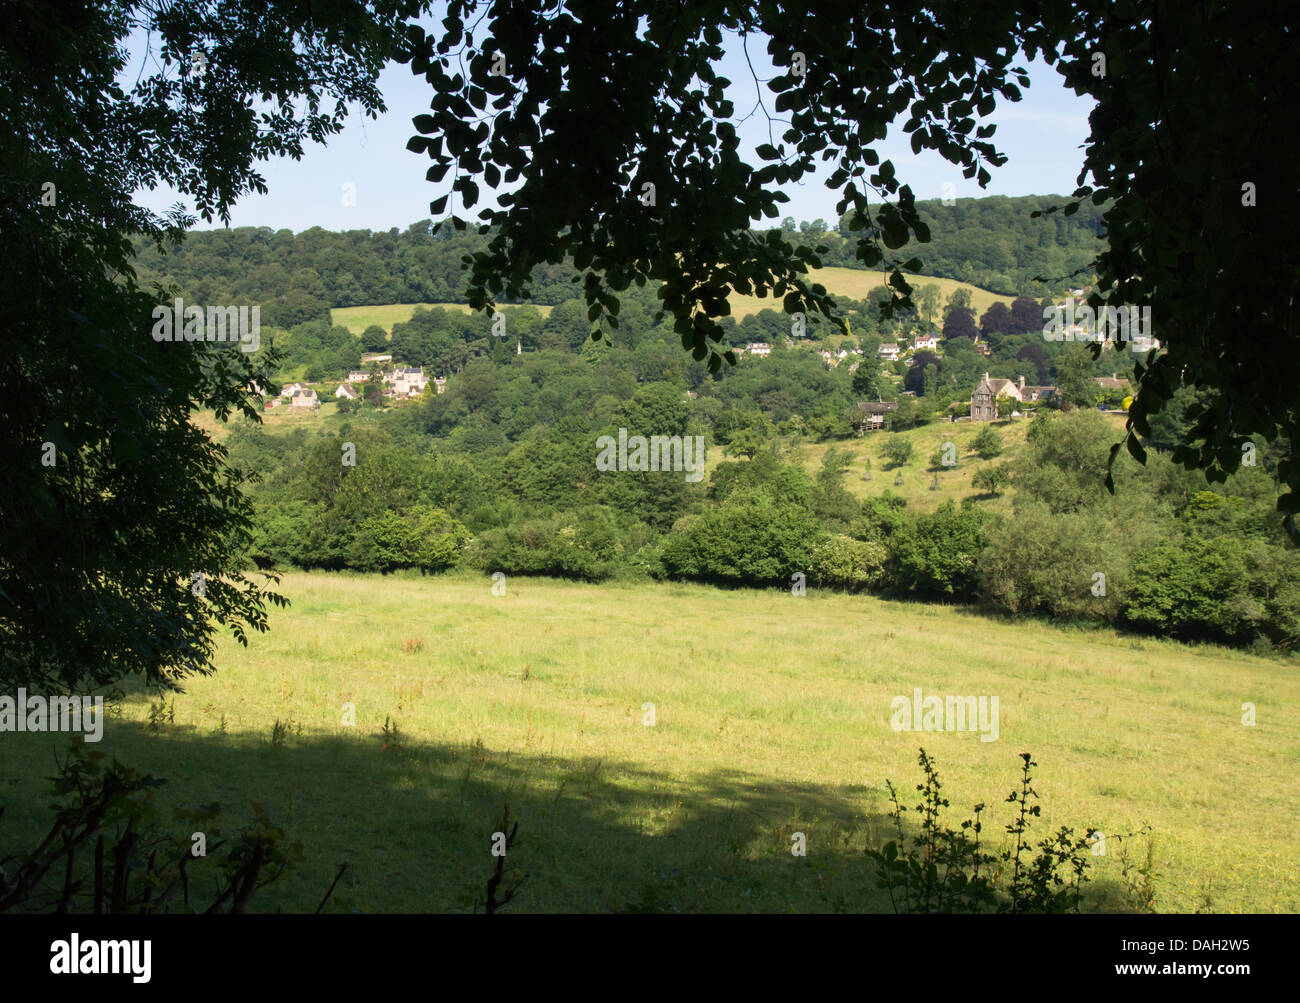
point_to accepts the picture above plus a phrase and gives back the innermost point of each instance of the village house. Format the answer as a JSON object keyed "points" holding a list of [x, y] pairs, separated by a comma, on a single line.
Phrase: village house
{"points": [[759, 348], [304, 397], [984, 401], [405, 382], [888, 350], [927, 341], [346, 392], [358, 376]]}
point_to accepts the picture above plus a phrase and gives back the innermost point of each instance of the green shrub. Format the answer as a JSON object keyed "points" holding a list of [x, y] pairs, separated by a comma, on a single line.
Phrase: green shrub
{"points": [[898, 450], [938, 552], [1040, 562], [751, 539], [841, 562]]}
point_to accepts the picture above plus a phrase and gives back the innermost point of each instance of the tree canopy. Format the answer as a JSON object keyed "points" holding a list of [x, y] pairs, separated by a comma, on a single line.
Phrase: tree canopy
{"points": [[123, 530]]}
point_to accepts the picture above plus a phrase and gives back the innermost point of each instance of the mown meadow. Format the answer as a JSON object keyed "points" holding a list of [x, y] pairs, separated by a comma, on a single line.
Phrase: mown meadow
{"points": [[771, 716]]}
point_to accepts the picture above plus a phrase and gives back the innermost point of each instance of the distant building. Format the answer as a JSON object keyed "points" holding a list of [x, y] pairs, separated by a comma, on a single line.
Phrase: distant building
{"points": [[406, 381], [358, 376], [304, 397], [889, 350], [871, 416], [928, 341], [984, 401], [346, 392], [759, 348]]}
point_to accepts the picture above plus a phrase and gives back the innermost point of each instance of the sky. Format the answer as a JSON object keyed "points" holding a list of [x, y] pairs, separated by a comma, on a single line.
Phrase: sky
{"points": [[1042, 136]]}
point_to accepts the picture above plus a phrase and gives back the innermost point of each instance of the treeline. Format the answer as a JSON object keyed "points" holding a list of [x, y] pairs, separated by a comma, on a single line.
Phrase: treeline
{"points": [[499, 474], [991, 242]]}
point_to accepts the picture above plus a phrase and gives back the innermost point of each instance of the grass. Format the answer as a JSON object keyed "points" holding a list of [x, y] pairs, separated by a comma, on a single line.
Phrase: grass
{"points": [[357, 318], [856, 283], [954, 483], [772, 717]]}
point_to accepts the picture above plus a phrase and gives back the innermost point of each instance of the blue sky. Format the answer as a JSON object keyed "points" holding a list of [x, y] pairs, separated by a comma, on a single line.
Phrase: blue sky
{"points": [[1042, 136]]}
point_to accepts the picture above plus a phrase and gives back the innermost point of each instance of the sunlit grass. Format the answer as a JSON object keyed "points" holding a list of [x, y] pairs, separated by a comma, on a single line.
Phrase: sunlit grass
{"points": [[772, 715]]}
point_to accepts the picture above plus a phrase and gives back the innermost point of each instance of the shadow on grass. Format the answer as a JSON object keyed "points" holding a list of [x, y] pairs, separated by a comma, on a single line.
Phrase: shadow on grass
{"points": [[415, 824]]}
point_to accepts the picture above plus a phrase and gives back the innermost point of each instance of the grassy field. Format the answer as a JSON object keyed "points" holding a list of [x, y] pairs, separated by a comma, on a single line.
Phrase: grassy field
{"points": [[357, 318], [954, 483], [772, 716], [854, 283]]}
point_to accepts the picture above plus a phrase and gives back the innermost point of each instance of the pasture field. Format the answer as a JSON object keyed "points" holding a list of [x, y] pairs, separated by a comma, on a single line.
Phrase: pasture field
{"points": [[771, 716], [856, 283], [357, 318], [954, 482]]}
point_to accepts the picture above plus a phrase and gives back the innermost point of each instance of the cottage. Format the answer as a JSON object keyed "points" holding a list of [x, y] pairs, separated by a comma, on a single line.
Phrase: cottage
{"points": [[928, 341], [358, 376], [984, 401], [889, 350], [304, 398], [346, 392], [759, 348]]}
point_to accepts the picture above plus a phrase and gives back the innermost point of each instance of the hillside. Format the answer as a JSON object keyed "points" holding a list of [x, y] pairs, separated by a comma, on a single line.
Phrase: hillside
{"points": [[990, 242], [850, 283]]}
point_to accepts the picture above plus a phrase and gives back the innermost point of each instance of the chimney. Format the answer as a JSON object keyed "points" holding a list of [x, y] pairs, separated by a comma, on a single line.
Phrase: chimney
{"points": [[1022, 383], [986, 377]]}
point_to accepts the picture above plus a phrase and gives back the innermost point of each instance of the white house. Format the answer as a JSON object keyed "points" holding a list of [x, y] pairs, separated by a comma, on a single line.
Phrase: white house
{"points": [[345, 391], [930, 341], [358, 376], [406, 382], [759, 348], [889, 350]]}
